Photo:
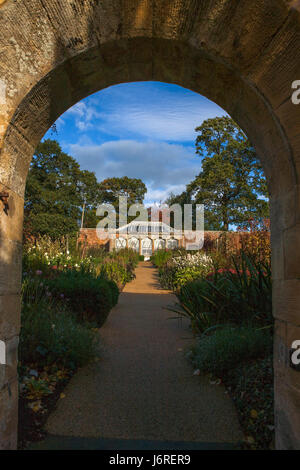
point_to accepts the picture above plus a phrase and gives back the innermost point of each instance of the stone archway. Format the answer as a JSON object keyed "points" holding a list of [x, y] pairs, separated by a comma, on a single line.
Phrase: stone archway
{"points": [[242, 55]]}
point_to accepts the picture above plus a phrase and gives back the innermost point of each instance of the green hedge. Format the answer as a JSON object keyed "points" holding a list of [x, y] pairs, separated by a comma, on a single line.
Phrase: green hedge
{"points": [[51, 335], [90, 298], [228, 347]]}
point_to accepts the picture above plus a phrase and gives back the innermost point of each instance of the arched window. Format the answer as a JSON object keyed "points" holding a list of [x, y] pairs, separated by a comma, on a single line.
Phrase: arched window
{"points": [[159, 244], [120, 243], [147, 247], [172, 244], [134, 244]]}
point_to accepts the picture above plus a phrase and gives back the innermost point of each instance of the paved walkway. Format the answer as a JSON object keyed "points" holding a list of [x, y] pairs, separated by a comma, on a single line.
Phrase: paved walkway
{"points": [[143, 389]]}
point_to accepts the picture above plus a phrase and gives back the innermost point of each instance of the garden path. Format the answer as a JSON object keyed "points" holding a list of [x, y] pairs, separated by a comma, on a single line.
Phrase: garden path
{"points": [[142, 392]]}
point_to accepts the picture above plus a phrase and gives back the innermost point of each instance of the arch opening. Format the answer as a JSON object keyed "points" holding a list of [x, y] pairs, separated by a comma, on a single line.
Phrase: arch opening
{"points": [[172, 61]]}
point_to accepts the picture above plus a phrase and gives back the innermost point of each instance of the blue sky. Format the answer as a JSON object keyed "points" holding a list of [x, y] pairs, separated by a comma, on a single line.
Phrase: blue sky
{"points": [[142, 130]]}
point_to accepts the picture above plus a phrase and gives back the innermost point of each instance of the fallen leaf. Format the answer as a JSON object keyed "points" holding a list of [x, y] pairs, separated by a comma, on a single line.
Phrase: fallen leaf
{"points": [[254, 414], [35, 406], [62, 395]]}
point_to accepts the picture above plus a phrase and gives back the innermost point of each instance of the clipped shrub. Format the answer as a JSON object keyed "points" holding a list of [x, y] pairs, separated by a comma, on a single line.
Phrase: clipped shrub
{"points": [[226, 348], [51, 335], [90, 298]]}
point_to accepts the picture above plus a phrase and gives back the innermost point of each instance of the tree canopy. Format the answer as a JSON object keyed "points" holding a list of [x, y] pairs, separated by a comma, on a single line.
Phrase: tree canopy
{"points": [[133, 188], [231, 184], [58, 192]]}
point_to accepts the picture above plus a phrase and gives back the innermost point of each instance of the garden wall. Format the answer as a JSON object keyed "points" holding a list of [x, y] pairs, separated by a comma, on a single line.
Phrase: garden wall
{"points": [[212, 239]]}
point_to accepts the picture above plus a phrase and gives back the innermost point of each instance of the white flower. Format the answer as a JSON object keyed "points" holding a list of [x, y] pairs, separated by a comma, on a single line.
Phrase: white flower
{"points": [[192, 261]]}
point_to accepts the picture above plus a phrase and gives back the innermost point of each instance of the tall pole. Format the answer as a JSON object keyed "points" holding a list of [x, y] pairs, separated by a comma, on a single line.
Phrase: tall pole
{"points": [[82, 215]]}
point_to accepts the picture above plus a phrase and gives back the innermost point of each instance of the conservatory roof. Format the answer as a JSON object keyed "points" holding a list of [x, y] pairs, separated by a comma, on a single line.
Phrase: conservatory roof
{"points": [[144, 226]]}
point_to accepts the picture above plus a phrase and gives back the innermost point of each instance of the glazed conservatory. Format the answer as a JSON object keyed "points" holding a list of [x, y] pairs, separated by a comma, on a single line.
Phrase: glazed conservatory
{"points": [[147, 237]]}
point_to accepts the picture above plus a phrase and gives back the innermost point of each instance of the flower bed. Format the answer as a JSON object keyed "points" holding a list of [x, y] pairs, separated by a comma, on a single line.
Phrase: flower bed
{"points": [[178, 268], [228, 300], [65, 299]]}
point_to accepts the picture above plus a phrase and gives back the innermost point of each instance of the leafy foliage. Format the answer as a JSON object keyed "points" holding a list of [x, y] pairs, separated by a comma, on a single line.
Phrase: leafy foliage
{"points": [[56, 190], [59, 194], [231, 184], [180, 267], [50, 333], [133, 188], [250, 385], [239, 295], [119, 266], [225, 348], [160, 257], [63, 290], [90, 298], [230, 310]]}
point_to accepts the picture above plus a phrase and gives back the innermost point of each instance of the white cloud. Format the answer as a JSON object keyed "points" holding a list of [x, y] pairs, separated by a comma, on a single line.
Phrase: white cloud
{"points": [[84, 114], [165, 124], [153, 110], [160, 195], [143, 130], [163, 167]]}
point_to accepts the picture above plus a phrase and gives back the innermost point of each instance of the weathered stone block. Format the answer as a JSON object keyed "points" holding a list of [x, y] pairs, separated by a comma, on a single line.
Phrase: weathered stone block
{"points": [[9, 416], [11, 223], [287, 422], [10, 315], [285, 335], [286, 300], [292, 252], [10, 266], [277, 253], [8, 371]]}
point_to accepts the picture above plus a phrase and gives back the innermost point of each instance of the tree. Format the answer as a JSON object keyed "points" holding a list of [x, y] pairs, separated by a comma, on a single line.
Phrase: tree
{"points": [[133, 188], [90, 196], [184, 198], [56, 191], [231, 184]]}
